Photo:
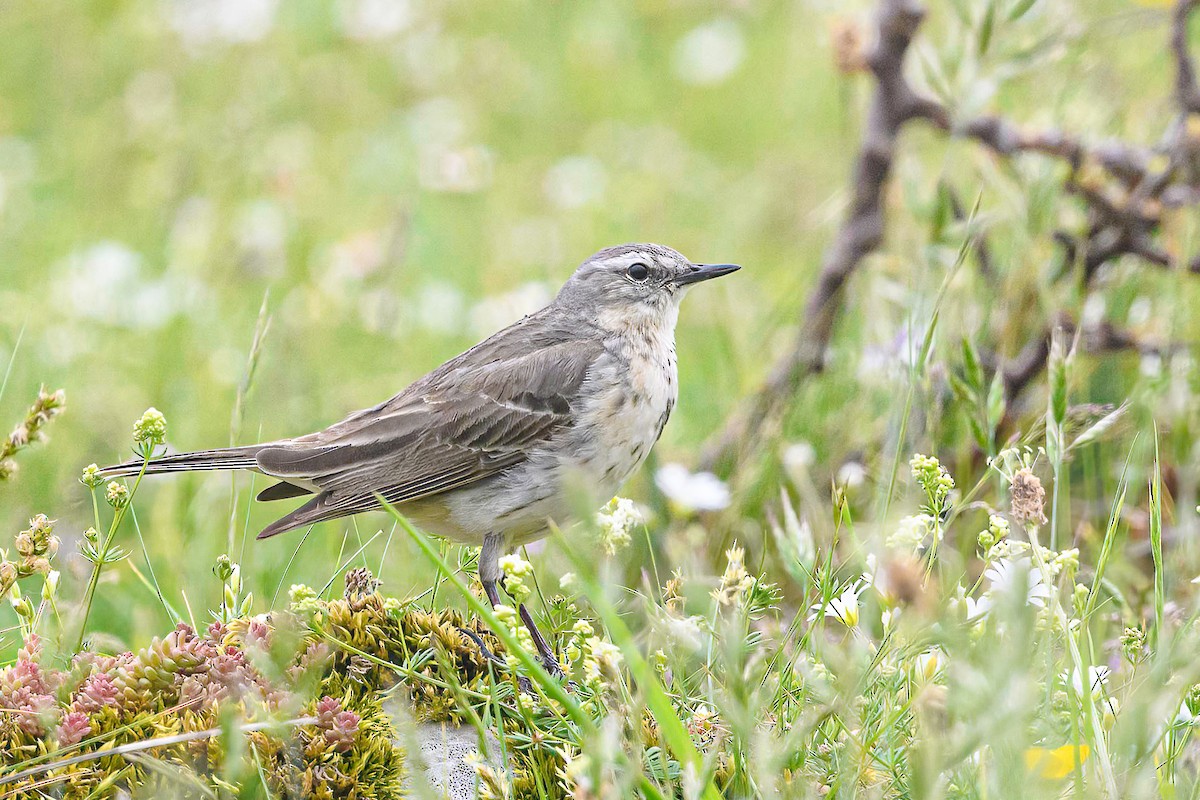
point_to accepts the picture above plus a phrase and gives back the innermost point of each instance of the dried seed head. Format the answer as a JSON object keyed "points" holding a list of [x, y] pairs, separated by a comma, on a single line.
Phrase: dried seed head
{"points": [[849, 52], [360, 582], [1028, 498]]}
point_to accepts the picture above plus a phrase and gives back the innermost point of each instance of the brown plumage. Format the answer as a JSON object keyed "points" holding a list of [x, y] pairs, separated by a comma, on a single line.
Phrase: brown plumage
{"points": [[493, 444]]}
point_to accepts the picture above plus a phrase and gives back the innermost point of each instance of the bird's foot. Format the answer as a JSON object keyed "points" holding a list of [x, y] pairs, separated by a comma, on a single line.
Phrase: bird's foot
{"points": [[484, 650]]}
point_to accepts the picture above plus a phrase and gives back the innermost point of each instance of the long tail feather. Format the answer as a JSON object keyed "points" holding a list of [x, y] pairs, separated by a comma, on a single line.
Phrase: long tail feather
{"points": [[223, 458]]}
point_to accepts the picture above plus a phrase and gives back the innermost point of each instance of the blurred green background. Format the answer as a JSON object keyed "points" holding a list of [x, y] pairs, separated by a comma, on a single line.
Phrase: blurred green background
{"points": [[396, 180]]}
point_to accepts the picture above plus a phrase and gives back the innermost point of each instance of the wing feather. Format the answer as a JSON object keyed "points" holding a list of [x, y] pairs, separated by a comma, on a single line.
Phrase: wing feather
{"points": [[461, 424]]}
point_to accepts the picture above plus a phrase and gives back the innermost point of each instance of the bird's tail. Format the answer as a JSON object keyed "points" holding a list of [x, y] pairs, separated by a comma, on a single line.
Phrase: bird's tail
{"points": [[222, 458]]}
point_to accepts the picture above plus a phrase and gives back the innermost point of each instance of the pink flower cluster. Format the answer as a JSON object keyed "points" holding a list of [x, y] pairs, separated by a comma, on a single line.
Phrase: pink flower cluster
{"points": [[181, 671], [339, 727]]}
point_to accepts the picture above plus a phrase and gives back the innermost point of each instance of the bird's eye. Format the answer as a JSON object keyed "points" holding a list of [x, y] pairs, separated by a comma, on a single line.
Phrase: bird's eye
{"points": [[638, 272]]}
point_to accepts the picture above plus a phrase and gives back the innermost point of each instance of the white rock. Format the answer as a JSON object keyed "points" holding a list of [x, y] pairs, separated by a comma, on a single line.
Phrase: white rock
{"points": [[444, 753]]}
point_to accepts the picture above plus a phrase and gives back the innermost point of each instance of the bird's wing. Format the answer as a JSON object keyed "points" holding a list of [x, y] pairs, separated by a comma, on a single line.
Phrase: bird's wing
{"points": [[467, 421]]}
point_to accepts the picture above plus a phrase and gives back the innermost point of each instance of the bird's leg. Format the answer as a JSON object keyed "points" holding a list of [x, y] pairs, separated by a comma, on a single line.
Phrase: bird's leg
{"points": [[489, 567], [489, 574], [549, 661]]}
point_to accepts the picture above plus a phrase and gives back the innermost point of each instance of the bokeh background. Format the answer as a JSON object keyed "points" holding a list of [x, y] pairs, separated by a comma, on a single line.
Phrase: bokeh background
{"points": [[391, 180]]}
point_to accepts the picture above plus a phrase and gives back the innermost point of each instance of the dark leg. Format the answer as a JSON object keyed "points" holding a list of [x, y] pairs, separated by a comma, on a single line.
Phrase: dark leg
{"points": [[489, 567], [489, 574], [549, 661]]}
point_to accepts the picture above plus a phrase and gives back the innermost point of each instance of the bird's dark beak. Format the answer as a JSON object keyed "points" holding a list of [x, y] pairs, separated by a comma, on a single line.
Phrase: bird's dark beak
{"points": [[704, 272]]}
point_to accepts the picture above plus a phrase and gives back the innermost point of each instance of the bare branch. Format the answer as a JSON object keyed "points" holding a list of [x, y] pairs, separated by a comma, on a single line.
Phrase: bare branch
{"points": [[1187, 92], [1124, 186], [893, 104]]}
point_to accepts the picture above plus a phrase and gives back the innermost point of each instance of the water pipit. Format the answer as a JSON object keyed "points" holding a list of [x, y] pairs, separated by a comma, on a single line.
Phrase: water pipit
{"points": [[490, 446]]}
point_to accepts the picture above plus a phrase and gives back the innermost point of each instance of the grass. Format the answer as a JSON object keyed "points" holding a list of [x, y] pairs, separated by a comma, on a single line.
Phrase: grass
{"points": [[259, 237]]}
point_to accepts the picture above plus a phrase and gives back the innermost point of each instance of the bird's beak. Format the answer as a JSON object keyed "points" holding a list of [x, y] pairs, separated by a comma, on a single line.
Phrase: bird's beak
{"points": [[704, 272]]}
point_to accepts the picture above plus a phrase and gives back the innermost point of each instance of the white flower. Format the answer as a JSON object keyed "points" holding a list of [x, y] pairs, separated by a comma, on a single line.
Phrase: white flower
{"points": [[911, 532], [799, 457], [710, 53], [973, 609], [852, 475], [1005, 575], [616, 520], [692, 491], [844, 607], [1097, 680], [929, 664]]}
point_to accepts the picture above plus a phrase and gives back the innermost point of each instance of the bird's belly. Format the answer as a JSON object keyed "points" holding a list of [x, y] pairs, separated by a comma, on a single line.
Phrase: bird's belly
{"points": [[575, 473]]}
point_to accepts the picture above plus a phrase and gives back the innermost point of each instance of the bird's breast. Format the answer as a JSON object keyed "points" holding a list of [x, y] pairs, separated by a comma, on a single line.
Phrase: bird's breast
{"points": [[626, 414]]}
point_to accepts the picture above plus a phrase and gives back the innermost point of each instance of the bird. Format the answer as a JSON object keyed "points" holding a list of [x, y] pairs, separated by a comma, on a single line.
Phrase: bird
{"points": [[492, 448]]}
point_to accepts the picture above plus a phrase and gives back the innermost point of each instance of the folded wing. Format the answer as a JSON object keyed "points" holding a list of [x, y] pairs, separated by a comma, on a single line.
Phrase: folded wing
{"points": [[464, 423]]}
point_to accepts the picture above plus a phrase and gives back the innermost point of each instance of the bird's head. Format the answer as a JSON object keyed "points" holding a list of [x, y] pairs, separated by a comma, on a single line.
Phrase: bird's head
{"points": [[635, 283]]}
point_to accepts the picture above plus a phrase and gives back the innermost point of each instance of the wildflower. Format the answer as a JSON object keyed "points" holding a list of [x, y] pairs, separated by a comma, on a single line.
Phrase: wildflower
{"points": [[1133, 645], [303, 599], [691, 492], [47, 406], [8, 576], [735, 581], [685, 632], [1056, 763], [1079, 598], [117, 494], [339, 727], [1097, 680], [74, 728], [516, 569], [928, 665], [91, 476], [569, 582], [36, 546], [971, 609], [997, 531], [603, 660], [933, 478], [151, 429], [616, 520], [799, 456], [1028, 498], [507, 615], [851, 475], [673, 598], [911, 533], [50, 587], [1005, 574], [223, 569], [844, 607]]}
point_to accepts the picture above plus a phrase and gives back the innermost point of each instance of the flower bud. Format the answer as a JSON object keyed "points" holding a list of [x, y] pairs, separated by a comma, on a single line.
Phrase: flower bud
{"points": [[151, 429], [223, 568], [50, 587], [91, 476], [117, 494]]}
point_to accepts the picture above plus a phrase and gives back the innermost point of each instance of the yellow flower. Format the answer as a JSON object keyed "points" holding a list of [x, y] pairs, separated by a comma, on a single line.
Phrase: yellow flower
{"points": [[1055, 763]]}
